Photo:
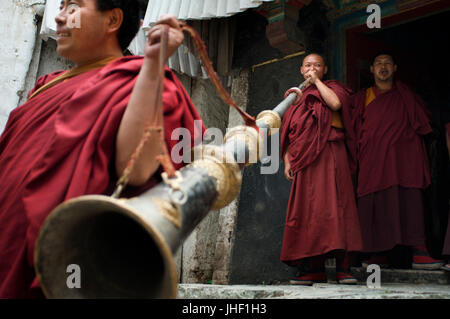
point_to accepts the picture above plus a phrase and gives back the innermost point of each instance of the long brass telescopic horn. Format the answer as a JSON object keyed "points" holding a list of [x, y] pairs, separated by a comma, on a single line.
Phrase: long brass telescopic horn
{"points": [[123, 248]]}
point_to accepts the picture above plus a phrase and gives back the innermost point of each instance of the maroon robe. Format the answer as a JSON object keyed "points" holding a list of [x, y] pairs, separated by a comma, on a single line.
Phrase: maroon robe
{"points": [[321, 215], [390, 148], [393, 167], [60, 145]]}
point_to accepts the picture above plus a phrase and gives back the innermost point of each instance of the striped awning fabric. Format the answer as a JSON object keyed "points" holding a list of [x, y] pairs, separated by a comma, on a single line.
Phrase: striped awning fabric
{"points": [[182, 9], [184, 61], [197, 9]]}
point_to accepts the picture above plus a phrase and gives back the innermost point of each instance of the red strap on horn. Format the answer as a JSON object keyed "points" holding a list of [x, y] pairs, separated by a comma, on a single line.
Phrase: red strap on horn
{"points": [[201, 48]]}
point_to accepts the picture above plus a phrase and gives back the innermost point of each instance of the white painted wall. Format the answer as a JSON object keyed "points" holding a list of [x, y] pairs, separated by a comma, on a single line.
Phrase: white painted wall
{"points": [[18, 30]]}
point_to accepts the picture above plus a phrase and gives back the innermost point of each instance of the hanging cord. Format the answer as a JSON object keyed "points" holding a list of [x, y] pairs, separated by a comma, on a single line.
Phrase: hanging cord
{"points": [[201, 49]]}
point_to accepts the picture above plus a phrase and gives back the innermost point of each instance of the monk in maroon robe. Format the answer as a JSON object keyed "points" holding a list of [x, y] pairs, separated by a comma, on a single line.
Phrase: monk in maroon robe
{"points": [[78, 129], [321, 216], [390, 122]]}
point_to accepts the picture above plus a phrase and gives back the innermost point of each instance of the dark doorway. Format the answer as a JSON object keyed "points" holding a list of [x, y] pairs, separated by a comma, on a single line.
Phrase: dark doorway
{"points": [[423, 47]]}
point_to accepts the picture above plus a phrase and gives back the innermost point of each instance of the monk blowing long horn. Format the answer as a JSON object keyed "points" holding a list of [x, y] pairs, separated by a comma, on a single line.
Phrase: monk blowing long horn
{"points": [[124, 248]]}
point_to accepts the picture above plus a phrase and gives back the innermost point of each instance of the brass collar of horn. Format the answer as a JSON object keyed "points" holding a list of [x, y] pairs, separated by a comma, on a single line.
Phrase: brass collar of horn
{"points": [[252, 139], [271, 119], [221, 165]]}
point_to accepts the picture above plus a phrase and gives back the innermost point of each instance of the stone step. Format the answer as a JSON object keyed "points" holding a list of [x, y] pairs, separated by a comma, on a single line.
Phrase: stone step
{"points": [[406, 276], [317, 291]]}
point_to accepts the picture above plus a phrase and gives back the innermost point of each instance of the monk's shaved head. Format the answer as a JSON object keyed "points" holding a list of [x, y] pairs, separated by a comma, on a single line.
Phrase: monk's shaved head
{"points": [[315, 55]]}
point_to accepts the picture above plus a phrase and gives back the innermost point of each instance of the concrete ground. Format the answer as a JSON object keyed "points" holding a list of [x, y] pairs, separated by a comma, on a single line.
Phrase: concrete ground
{"points": [[317, 291]]}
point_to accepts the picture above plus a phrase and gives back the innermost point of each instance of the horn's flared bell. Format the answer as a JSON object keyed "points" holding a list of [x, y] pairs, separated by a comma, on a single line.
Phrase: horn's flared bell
{"points": [[117, 252], [123, 248]]}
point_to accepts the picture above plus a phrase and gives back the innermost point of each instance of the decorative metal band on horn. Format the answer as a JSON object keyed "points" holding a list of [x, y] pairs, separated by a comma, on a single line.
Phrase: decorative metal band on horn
{"points": [[270, 120], [244, 136], [221, 165]]}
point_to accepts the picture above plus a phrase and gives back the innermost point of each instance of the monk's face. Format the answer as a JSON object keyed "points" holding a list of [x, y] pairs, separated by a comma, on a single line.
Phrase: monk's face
{"points": [[313, 63], [383, 68], [81, 30]]}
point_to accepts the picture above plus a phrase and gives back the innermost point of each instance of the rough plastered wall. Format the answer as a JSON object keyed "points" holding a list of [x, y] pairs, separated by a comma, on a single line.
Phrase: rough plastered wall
{"points": [[206, 253], [227, 217], [19, 21], [196, 258]]}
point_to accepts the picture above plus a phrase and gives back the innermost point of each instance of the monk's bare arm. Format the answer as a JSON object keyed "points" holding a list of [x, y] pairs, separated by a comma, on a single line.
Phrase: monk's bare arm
{"points": [[132, 127], [141, 106], [287, 167], [328, 95]]}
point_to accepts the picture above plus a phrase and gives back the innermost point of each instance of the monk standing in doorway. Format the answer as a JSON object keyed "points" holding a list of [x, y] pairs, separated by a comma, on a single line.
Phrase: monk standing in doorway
{"points": [[321, 217], [390, 122]]}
